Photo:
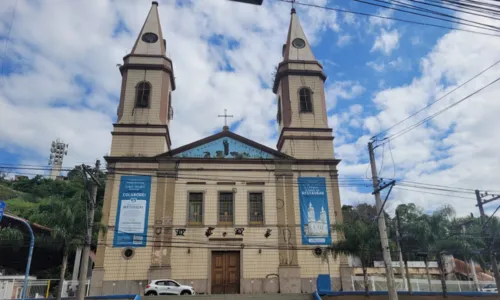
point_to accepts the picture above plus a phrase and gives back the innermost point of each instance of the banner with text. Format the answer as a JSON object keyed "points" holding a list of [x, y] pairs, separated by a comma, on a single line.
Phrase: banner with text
{"points": [[314, 218], [131, 227]]}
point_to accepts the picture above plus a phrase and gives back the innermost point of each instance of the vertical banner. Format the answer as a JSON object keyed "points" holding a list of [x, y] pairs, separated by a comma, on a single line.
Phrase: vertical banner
{"points": [[314, 217], [131, 227]]}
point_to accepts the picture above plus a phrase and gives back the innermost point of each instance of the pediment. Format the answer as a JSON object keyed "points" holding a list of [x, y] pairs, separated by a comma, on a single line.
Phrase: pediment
{"points": [[225, 145]]}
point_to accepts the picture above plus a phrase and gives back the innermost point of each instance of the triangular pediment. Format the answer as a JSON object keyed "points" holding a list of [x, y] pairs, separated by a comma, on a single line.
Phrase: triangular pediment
{"points": [[225, 145]]}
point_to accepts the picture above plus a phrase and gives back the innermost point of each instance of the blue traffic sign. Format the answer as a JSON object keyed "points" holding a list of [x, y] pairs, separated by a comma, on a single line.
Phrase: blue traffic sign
{"points": [[2, 208]]}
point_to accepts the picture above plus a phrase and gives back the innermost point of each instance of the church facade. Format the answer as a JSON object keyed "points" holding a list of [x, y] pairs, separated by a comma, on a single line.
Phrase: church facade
{"points": [[223, 214]]}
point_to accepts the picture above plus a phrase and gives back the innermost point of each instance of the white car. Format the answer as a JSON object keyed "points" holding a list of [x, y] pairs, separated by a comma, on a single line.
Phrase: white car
{"points": [[491, 288], [167, 287]]}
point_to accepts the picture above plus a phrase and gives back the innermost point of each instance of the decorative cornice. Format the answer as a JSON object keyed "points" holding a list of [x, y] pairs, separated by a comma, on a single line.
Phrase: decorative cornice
{"points": [[302, 137], [156, 67]]}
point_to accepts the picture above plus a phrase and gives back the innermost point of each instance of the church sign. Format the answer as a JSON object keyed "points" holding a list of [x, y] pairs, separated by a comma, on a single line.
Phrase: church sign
{"points": [[314, 218], [225, 147], [131, 225]]}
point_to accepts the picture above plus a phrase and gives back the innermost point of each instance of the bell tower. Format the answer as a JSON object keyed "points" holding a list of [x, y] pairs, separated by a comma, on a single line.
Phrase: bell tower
{"points": [[145, 109], [299, 85]]}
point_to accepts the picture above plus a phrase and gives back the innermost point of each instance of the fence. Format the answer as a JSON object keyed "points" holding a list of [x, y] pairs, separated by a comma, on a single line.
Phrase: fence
{"points": [[37, 288], [377, 283]]}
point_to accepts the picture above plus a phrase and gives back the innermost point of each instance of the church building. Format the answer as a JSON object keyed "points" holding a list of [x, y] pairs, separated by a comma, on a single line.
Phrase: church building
{"points": [[223, 214]]}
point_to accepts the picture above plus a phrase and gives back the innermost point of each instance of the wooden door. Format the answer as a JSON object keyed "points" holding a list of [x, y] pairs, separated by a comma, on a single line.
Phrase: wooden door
{"points": [[225, 272]]}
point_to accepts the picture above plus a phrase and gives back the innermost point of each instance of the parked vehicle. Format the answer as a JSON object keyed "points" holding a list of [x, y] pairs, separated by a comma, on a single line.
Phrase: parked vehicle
{"points": [[167, 287], [491, 288]]}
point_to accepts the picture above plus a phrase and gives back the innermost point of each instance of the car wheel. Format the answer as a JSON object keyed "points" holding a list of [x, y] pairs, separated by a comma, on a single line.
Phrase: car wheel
{"points": [[151, 294], [186, 293]]}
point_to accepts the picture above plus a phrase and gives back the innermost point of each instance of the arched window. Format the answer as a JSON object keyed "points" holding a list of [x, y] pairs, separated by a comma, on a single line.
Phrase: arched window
{"points": [[143, 92], [305, 100]]}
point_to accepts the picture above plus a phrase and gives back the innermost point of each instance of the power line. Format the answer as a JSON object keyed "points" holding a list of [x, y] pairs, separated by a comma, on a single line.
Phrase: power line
{"points": [[482, 25], [342, 182], [435, 188], [438, 185], [425, 120], [437, 100], [424, 192], [470, 11], [387, 18]]}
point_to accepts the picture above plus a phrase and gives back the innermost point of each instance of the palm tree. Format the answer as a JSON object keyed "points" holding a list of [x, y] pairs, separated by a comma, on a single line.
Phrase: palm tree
{"points": [[67, 219], [361, 239], [428, 235]]}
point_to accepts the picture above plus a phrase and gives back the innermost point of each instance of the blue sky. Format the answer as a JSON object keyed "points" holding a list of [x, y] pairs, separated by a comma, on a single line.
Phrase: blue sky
{"points": [[60, 80]]}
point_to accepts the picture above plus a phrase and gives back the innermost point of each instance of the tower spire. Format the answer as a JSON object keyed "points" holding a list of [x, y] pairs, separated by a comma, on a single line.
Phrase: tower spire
{"points": [[297, 47], [150, 40]]}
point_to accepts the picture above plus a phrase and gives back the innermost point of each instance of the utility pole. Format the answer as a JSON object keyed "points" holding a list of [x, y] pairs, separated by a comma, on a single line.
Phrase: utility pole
{"points": [[391, 289], [398, 237], [493, 258], [82, 281]]}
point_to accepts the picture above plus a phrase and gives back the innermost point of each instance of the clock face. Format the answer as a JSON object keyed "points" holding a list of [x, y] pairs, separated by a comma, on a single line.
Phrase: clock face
{"points": [[298, 43], [149, 37]]}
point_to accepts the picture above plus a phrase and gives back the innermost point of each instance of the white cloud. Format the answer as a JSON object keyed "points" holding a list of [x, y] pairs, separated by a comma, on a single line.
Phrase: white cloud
{"points": [[66, 84], [379, 67], [449, 150], [382, 20], [344, 40], [387, 41], [343, 90]]}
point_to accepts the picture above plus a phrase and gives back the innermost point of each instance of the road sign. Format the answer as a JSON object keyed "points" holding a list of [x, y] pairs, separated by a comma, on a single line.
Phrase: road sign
{"points": [[2, 208]]}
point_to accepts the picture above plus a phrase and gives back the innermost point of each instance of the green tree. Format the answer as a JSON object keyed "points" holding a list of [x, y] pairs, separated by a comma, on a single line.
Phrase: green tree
{"points": [[360, 238], [67, 220]]}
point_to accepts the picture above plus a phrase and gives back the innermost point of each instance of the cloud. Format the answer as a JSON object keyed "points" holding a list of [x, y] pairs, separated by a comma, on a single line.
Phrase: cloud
{"points": [[387, 41], [382, 22], [344, 40], [379, 67], [343, 90], [62, 80]]}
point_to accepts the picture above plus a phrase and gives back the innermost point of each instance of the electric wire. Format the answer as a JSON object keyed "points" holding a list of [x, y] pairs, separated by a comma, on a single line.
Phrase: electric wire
{"points": [[491, 15], [425, 120], [482, 25], [388, 18], [437, 100], [342, 181], [438, 194]]}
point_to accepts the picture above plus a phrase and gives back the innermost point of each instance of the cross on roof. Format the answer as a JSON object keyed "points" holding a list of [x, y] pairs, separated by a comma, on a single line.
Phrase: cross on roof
{"points": [[225, 116]]}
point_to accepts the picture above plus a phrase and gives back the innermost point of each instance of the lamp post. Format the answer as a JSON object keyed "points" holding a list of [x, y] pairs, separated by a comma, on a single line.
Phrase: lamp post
{"points": [[30, 253]]}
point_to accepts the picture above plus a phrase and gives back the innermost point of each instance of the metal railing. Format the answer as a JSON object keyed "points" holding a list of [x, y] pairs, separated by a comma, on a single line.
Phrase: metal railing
{"points": [[38, 288], [377, 283]]}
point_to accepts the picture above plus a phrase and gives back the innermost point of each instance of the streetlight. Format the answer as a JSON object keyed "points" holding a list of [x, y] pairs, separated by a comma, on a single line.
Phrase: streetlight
{"points": [[254, 2]]}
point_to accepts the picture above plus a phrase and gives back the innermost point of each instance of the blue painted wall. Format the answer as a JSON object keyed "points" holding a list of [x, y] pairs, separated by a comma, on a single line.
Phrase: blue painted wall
{"points": [[226, 148]]}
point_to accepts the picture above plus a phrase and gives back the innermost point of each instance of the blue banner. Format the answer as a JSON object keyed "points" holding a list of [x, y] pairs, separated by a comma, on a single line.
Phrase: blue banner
{"points": [[131, 227], [314, 217]]}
